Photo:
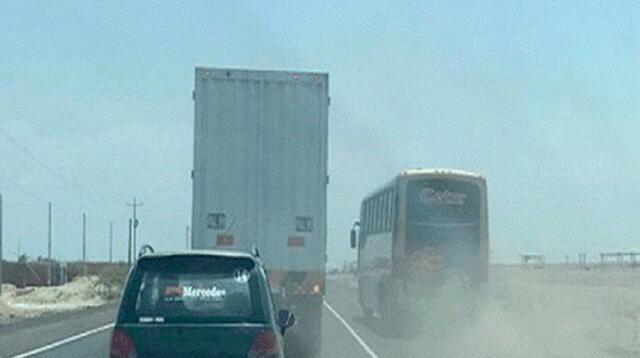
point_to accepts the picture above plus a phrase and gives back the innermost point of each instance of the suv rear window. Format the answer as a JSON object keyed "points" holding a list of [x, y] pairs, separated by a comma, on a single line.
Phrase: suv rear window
{"points": [[188, 289]]}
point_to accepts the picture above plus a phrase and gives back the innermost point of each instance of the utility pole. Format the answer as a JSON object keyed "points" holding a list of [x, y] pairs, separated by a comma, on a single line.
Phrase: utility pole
{"points": [[129, 246], [0, 244], [49, 248], [188, 241], [84, 238], [111, 241], [135, 205]]}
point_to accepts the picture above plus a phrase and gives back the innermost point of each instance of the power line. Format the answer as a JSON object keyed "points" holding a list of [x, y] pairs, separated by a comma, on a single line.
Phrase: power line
{"points": [[84, 193], [29, 154], [25, 190]]}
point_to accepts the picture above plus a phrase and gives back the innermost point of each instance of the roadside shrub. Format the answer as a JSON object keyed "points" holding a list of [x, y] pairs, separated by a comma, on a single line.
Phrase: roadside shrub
{"points": [[110, 281]]}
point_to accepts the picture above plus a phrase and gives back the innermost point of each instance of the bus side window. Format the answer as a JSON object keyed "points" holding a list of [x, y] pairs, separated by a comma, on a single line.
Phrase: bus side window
{"points": [[388, 210], [384, 211], [375, 214], [367, 217], [378, 212], [372, 215], [381, 213], [367, 213], [392, 211], [385, 199], [361, 218], [390, 221], [385, 222]]}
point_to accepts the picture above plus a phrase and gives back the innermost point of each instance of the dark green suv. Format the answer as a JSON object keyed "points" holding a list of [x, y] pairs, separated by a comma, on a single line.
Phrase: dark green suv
{"points": [[198, 304]]}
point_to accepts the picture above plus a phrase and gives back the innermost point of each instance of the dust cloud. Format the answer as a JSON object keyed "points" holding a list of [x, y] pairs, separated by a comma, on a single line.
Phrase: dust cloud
{"points": [[527, 312]]}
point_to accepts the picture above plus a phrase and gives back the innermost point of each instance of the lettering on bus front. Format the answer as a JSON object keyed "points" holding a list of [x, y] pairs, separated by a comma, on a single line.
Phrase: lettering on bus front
{"points": [[430, 195]]}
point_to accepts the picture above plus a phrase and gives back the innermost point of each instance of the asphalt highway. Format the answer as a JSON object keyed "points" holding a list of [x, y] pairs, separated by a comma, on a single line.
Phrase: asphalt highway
{"points": [[86, 333]]}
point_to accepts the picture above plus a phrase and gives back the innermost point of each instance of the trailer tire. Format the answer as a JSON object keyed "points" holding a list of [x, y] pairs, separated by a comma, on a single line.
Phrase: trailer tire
{"points": [[305, 337]]}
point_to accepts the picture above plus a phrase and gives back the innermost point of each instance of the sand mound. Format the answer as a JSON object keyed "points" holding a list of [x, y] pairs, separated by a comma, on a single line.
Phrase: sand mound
{"points": [[33, 301]]}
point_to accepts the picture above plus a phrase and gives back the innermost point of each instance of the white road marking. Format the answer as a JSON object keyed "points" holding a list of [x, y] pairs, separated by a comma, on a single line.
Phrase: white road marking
{"points": [[64, 341], [50, 346], [364, 346]]}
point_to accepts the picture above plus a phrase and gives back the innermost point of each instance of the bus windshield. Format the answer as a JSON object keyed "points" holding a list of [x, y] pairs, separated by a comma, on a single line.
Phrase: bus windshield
{"points": [[443, 215], [442, 201]]}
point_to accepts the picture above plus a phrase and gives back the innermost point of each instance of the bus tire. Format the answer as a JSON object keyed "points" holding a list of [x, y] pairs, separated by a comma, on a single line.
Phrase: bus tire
{"points": [[388, 309], [367, 313]]}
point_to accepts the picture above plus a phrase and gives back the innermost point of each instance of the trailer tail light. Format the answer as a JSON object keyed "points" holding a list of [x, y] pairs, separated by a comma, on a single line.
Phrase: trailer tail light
{"points": [[264, 345], [224, 240], [122, 345], [297, 282]]}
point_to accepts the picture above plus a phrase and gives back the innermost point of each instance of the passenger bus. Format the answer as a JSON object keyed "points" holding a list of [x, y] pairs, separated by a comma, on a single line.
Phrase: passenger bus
{"points": [[415, 230]]}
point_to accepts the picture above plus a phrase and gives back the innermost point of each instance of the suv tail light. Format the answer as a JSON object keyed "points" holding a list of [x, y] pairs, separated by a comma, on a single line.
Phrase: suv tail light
{"points": [[264, 345], [122, 345]]}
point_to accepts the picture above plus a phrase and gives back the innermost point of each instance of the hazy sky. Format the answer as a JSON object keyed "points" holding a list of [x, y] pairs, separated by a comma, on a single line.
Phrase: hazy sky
{"points": [[541, 97]]}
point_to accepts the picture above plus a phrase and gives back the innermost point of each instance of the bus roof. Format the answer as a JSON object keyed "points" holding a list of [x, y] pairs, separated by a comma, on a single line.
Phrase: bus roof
{"points": [[423, 171]]}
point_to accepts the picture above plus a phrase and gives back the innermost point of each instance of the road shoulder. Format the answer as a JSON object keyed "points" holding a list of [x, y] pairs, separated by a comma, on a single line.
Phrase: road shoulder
{"points": [[28, 334]]}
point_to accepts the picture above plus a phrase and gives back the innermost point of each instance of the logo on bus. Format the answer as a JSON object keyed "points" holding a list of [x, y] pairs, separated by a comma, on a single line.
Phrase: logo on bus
{"points": [[430, 195]]}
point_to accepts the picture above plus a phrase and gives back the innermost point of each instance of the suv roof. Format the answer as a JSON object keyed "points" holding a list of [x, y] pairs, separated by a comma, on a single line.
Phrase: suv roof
{"points": [[211, 253]]}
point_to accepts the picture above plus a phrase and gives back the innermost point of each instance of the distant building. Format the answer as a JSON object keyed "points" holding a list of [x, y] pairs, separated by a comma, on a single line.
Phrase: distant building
{"points": [[536, 259]]}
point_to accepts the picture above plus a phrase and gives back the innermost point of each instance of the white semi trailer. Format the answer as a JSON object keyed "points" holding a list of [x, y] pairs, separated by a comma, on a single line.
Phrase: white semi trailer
{"points": [[260, 180]]}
